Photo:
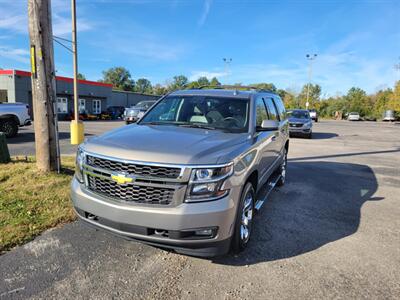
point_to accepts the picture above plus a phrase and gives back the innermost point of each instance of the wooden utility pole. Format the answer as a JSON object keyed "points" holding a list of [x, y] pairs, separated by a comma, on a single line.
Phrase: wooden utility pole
{"points": [[43, 84]]}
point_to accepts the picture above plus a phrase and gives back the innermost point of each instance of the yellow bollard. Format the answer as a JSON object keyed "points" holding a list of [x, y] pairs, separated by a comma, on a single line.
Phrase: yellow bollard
{"points": [[77, 132]]}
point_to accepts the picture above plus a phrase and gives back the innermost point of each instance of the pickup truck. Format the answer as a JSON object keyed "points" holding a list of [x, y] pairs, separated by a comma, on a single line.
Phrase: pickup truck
{"points": [[188, 175], [13, 116]]}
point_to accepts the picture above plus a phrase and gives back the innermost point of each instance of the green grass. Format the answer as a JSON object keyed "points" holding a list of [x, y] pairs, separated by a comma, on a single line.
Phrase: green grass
{"points": [[31, 201]]}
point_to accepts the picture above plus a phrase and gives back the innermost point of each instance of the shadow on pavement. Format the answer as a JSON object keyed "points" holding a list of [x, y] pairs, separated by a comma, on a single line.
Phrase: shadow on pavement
{"points": [[323, 135], [309, 211]]}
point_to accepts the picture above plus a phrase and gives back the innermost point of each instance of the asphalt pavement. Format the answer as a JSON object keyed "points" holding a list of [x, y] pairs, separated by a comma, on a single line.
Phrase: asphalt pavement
{"points": [[333, 231]]}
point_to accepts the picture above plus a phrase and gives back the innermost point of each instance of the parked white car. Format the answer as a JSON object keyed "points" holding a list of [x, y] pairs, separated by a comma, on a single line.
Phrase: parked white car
{"points": [[313, 115], [354, 116], [13, 116], [389, 116]]}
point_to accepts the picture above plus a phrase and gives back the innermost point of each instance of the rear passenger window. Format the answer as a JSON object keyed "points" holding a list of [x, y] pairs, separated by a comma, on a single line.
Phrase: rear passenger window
{"points": [[280, 107], [261, 112], [273, 114]]}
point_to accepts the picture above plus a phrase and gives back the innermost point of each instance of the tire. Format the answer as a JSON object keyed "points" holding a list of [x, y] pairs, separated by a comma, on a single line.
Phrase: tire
{"points": [[244, 219], [316, 120], [309, 136], [9, 127], [282, 170]]}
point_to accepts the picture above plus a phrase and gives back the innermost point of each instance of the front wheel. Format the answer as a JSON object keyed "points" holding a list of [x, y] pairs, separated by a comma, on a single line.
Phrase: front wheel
{"points": [[244, 219]]}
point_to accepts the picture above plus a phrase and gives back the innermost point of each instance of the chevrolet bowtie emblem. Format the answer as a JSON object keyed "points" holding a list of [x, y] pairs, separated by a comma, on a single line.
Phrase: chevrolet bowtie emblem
{"points": [[121, 179]]}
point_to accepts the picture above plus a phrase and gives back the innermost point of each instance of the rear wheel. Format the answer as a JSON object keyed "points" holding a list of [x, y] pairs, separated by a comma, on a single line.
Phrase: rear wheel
{"points": [[9, 127], [282, 169], [244, 219]]}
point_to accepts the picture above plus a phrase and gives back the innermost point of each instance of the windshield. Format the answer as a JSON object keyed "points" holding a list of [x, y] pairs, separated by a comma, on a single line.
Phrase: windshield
{"points": [[299, 114], [145, 104], [200, 111]]}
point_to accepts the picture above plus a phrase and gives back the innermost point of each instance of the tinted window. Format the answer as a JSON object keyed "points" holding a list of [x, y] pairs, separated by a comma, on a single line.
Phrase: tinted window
{"points": [[299, 114], [261, 112], [273, 114], [217, 112], [280, 107]]}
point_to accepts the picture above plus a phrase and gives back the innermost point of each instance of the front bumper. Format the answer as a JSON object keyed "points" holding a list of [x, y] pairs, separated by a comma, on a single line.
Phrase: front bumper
{"points": [[299, 130], [139, 222], [131, 119]]}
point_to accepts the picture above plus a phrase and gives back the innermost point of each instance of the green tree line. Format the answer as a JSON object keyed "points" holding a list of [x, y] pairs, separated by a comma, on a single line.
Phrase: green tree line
{"points": [[356, 99]]}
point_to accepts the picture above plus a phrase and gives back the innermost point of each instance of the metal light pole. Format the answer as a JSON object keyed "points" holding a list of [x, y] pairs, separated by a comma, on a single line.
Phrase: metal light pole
{"points": [[397, 68], [310, 59], [77, 130], [227, 62]]}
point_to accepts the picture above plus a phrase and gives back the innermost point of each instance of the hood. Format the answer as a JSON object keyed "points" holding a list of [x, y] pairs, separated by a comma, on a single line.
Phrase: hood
{"points": [[168, 144], [297, 120]]}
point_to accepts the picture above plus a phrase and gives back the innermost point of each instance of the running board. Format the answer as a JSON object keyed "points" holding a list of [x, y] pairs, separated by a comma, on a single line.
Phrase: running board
{"points": [[270, 186]]}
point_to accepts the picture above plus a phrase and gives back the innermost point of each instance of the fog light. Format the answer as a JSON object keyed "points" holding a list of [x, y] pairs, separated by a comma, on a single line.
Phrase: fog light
{"points": [[204, 232]]}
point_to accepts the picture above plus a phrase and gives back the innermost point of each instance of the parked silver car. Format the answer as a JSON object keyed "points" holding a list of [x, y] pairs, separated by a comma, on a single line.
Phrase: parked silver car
{"points": [[134, 113], [186, 176], [300, 123], [354, 116]]}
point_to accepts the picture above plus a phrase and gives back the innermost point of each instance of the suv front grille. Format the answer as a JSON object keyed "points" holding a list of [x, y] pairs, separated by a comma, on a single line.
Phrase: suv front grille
{"points": [[131, 192], [134, 169]]}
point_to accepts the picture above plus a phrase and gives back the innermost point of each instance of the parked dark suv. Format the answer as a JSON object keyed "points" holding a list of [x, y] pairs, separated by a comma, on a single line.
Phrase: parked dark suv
{"points": [[186, 176]]}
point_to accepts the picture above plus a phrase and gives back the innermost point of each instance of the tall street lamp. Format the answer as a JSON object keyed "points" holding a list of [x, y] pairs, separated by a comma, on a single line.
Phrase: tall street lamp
{"points": [[310, 59], [227, 62]]}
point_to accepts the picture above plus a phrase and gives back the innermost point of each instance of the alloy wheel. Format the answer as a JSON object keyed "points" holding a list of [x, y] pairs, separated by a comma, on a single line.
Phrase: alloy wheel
{"points": [[247, 216]]}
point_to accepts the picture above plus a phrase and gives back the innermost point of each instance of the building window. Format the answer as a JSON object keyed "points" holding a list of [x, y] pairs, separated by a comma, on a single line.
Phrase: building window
{"points": [[82, 106], [96, 107], [62, 105]]}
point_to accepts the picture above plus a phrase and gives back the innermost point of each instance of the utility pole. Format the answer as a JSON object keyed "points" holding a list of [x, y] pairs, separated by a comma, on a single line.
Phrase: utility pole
{"points": [[43, 84], [77, 130], [310, 59]]}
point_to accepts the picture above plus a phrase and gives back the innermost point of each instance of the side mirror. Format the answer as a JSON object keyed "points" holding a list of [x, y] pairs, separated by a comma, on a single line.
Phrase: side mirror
{"points": [[269, 125]]}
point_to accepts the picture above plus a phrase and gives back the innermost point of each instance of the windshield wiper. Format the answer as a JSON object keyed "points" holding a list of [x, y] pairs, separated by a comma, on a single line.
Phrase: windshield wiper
{"points": [[191, 125], [158, 123]]}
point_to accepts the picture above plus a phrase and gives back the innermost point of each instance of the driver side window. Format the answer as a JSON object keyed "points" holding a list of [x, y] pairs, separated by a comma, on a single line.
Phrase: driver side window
{"points": [[261, 112]]}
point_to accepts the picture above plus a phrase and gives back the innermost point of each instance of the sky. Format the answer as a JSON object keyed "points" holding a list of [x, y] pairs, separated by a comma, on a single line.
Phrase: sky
{"points": [[357, 42]]}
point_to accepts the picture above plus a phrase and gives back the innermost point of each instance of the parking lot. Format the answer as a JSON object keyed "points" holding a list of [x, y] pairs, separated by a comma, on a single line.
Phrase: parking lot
{"points": [[333, 231]]}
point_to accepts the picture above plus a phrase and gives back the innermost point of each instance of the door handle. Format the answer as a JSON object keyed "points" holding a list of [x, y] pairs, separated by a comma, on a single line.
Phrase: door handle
{"points": [[273, 138]]}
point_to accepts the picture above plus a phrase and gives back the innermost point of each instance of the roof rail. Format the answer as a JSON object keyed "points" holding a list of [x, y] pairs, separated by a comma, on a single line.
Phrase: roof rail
{"points": [[232, 87]]}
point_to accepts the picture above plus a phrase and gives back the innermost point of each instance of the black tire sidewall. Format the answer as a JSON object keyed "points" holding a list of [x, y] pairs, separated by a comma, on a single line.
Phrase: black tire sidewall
{"points": [[280, 181], [13, 124], [237, 243]]}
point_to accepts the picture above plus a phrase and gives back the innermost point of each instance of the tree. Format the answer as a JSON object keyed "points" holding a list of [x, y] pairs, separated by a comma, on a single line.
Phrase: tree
{"points": [[265, 86], [214, 82], [158, 89], [81, 76], [313, 97], [357, 100], [203, 81], [119, 77], [179, 82], [394, 101], [143, 85]]}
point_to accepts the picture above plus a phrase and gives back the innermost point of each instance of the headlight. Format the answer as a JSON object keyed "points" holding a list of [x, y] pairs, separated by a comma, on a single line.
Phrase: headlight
{"points": [[206, 183], [80, 159], [307, 125]]}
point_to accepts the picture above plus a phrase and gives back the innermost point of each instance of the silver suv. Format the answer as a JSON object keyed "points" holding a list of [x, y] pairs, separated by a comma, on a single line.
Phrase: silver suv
{"points": [[187, 176]]}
